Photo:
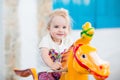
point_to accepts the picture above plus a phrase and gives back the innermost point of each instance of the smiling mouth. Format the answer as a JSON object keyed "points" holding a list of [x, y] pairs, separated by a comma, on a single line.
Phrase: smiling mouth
{"points": [[60, 34]]}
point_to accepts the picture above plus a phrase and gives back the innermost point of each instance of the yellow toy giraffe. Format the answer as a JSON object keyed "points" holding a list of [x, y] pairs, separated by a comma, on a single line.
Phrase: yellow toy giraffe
{"points": [[79, 61], [83, 59]]}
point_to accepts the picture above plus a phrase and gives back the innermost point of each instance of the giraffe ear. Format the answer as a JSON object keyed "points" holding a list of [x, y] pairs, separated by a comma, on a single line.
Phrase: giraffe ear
{"points": [[86, 26], [86, 34], [87, 30]]}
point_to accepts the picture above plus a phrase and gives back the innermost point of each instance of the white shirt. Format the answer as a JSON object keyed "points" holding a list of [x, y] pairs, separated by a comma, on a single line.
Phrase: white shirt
{"points": [[49, 43]]}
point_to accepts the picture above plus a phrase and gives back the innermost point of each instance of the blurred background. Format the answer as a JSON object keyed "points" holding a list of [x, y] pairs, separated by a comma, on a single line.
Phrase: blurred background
{"points": [[22, 21]]}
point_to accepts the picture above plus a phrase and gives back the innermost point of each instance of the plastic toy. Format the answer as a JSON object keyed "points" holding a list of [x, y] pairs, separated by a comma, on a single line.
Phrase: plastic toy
{"points": [[80, 60]]}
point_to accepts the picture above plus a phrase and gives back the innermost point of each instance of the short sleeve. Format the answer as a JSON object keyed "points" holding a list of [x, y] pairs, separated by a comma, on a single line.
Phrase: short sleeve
{"points": [[44, 42]]}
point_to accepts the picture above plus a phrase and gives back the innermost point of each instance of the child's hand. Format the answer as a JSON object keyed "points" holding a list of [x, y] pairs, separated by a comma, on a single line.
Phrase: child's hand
{"points": [[56, 66]]}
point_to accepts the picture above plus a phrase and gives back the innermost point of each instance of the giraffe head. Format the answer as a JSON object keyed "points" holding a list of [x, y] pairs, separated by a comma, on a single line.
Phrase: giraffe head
{"points": [[86, 59]]}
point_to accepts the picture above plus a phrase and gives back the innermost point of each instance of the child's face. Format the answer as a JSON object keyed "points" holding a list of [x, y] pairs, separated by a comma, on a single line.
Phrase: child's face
{"points": [[58, 28]]}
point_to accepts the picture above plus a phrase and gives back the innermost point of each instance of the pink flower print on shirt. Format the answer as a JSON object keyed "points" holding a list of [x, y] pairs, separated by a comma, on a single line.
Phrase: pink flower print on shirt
{"points": [[55, 56]]}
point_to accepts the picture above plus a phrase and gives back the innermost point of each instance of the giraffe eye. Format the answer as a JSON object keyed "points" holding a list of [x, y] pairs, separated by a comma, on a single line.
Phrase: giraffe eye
{"points": [[83, 56]]}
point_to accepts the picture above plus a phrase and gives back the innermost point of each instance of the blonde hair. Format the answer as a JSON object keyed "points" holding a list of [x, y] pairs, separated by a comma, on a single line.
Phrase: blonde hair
{"points": [[60, 12], [57, 12]]}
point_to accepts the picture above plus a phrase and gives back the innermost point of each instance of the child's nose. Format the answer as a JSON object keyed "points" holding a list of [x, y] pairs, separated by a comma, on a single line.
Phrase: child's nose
{"points": [[61, 29]]}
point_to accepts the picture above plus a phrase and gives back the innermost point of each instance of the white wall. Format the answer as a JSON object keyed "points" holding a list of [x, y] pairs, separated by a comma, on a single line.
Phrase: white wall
{"points": [[1, 44], [108, 43], [28, 29]]}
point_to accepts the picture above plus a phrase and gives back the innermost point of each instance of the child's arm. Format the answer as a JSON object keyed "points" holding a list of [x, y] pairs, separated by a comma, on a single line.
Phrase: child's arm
{"points": [[48, 60]]}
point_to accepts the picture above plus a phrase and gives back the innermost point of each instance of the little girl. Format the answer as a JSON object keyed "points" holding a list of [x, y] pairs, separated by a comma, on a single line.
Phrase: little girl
{"points": [[55, 43]]}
